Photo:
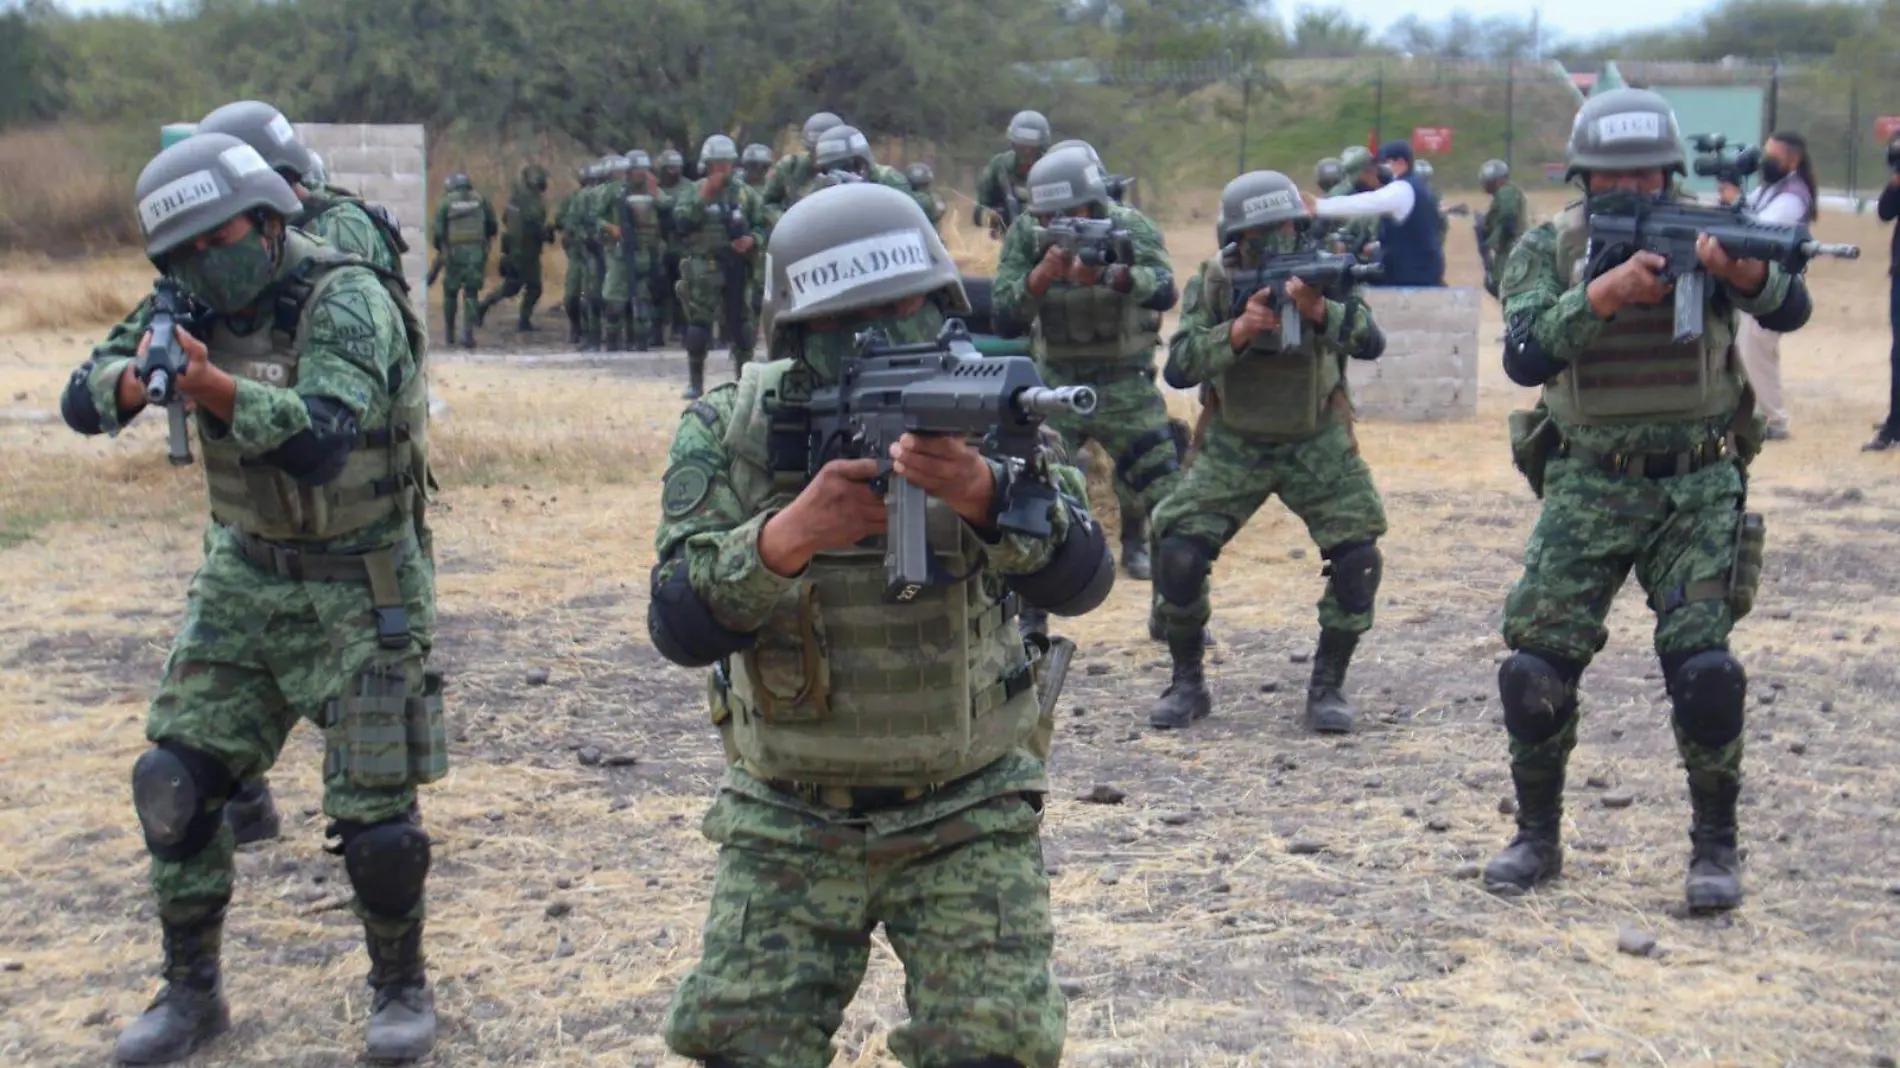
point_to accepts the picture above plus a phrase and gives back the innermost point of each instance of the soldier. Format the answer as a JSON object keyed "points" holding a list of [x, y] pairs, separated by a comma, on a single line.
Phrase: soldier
{"points": [[1641, 450], [315, 598], [1356, 167], [668, 311], [575, 224], [1328, 174], [721, 224], [1502, 221], [1002, 190], [1099, 327], [755, 165], [1281, 423], [887, 792], [791, 176], [635, 260], [464, 225], [921, 178], [525, 229]]}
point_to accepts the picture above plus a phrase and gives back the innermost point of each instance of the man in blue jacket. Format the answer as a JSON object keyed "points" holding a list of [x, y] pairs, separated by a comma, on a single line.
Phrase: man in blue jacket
{"points": [[1410, 245]]}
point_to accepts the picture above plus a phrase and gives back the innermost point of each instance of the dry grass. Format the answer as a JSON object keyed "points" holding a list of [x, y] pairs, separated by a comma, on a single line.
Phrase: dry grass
{"points": [[1212, 945], [66, 190]]}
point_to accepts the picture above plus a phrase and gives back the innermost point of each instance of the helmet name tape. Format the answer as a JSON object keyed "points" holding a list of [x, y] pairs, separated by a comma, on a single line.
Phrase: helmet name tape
{"points": [[1025, 133], [1278, 200], [243, 160], [176, 196], [859, 144], [842, 268], [1051, 191], [280, 130], [1630, 126]]}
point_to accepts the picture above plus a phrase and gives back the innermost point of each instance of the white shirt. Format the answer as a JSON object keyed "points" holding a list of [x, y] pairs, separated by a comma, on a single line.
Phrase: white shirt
{"points": [[1783, 204], [1394, 198]]}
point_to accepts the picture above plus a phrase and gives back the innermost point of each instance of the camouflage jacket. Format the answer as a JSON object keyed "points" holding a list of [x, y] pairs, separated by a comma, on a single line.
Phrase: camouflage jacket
{"points": [[1152, 269], [702, 231], [1000, 177], [524, 225], [342, 219], [1503, 221]]}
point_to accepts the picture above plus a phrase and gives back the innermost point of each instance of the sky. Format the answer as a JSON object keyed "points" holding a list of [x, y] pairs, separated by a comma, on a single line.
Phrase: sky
{"points": [[1577, 20]]}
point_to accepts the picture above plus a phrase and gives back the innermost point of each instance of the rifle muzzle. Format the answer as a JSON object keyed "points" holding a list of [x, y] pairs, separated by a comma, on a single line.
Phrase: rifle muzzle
{"points": [[1812, 249], [158, 387], [1046, 400]]}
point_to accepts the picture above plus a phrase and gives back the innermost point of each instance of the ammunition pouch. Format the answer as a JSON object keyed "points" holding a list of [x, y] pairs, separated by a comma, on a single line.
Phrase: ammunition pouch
{"points": [[1534, 436]]}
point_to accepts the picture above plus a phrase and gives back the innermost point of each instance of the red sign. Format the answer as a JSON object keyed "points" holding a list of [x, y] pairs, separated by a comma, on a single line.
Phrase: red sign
{"points": [[1887, 127], [1433, 140]]}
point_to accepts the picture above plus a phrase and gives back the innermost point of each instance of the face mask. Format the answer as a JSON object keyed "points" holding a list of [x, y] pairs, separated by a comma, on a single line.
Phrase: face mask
{"points": [[1771, 171], [826, 352], [229, 278], [1616, 201]]}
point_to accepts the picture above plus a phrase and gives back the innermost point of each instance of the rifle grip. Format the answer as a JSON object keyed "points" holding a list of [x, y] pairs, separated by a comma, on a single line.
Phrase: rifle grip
{"points": [[906, 545]]}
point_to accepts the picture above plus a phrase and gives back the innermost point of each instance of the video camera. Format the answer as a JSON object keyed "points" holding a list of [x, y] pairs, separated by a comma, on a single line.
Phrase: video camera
{"points": [[1715, 159], [1893, 155]]}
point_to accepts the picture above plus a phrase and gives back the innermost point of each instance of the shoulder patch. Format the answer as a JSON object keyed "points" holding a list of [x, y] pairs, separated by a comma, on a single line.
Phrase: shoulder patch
{"points": [[1517, 270], [685, 489], [704, 413]]}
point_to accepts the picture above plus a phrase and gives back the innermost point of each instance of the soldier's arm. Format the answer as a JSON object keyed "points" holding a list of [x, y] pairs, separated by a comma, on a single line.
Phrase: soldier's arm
{"points": [[776, 185], [1200, 348], [1783, 305], [755, 215], [90, 404], [1546, 326], [1350, 329], [1068, 573], [439, 235], [1009, 291], [1505, 219], [1153, 270], [989, 187], [350, 229], [710, 591], [307, 430]]}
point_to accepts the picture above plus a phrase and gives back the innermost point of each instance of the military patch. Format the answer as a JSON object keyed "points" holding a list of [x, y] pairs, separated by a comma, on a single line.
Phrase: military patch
{"points": [[1517, 271], [685, 489]]}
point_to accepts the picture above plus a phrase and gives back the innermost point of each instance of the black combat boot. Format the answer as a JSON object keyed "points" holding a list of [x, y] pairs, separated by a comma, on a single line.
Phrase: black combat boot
{"points": [[1715, 870], [468, 330], [1186, 699], [252, 814], [642, 337], [1536, 855], [189, 1010], [402, 1006], [481, 312], [614, 336], [524, 321], [572, 306], [1327, 710], [448, 322], [1135, 562], [657, 338]]}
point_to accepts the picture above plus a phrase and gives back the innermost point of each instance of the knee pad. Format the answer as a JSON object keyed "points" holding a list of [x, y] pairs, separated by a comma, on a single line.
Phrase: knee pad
{"points": [[698, 340], [173, 787], [1709, 691], [388, 863], [1354, 568], [1182, 566], [1162, 437], [1538, 691]]}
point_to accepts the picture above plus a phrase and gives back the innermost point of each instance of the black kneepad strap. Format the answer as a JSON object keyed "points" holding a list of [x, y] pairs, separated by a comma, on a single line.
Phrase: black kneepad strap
{"points": [[682, 628], [1538, 691], [173, 787], [388, 864], [1164, 436], [1079, 573], [1181, 566], [1709, 693], [1354, 569]]}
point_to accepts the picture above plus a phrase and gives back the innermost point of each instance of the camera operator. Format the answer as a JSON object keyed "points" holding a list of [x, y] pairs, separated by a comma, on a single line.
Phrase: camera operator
{"points": [[1784, 198], [1889, 209]]}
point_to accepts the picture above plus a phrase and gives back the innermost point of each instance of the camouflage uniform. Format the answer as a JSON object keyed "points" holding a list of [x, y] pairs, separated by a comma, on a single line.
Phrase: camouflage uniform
{"points": [[464, 225], [524, 231], [1498, 229], [705, 242], [628, 290], [344, 220], [1005, 178], [670, 312], [889, 793], [577, 297]]}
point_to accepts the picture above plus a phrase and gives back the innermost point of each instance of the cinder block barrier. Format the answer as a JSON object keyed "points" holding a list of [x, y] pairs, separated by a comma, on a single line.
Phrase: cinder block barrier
{"points": [[1430, 367], [387, 165]]}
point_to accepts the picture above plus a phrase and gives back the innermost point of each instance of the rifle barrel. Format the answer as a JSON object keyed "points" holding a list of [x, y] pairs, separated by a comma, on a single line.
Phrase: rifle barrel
{"points": [[1822, 248], [1045, 400]]}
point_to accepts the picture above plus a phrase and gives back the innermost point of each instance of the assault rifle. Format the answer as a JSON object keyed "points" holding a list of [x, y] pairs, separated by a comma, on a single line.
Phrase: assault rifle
{"points": [[732, 270], [165, 361], [1670, 229], [1333, 273], [940, 387], [1093, 242]]}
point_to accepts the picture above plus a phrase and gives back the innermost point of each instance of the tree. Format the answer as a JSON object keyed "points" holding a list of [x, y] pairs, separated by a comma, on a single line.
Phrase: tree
{"points": [[1329, 33]]}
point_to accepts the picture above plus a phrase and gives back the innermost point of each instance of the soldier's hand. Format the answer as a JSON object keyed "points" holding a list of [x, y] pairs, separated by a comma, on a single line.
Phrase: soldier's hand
{"points": [[949, 469], [1080, 274], [836, 510], [1310, 301], [1053, 265], [1636, 281], [613, 230], [1745, 276], [743, 245], [1258, 318]]}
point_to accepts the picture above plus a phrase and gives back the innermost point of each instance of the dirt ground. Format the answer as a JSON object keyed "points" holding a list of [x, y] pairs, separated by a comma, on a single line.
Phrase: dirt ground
{"points": [[1261, 896]]}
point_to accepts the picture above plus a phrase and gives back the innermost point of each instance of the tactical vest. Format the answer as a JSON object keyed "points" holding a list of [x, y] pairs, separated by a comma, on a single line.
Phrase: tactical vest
{"points": [[1273, 395], [645, 209], [467, 222], [327, 198], [1095, 324], [844, 689], [387, 469], [1633, 372], [710, 236]]}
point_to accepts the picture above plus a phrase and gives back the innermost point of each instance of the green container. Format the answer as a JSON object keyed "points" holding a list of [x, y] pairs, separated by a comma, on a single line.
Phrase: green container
{"points": [[173, 132]]}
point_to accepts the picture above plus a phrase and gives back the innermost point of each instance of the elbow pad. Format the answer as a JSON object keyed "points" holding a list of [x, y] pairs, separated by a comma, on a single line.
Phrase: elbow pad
{"points": [[76, 405], [1174, 374], [1165, 294], [315, 456], [1793, 313], [1525, 361], [1078, 576], [683, 629], [1374, 345]]}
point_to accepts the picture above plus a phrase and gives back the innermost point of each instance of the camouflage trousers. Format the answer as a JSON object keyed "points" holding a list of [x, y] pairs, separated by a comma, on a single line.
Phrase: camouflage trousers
{"points": [[964, 900], [524, 279], [1322, 480], [582, 284], [627, 294], [462, 280], [1131, 424], [1595, 528], [256, 654], [702, 292]]}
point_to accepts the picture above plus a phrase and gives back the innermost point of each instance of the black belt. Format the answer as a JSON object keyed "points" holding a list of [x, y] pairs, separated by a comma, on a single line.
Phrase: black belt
{"points": [[1653, 464], [373, 567]]}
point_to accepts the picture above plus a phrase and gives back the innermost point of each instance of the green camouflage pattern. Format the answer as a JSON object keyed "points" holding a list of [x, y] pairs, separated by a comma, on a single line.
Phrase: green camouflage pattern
{"points": [[523, 234], [787, 181], [463, 263], [702, 243], [582, 280], [1151, 271], [338, 217], [1001, 175], [620, 285], [1503, 221]]}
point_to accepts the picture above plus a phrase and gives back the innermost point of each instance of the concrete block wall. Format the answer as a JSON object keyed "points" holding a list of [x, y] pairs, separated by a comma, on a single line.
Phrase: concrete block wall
{"points": [[387, 165], [1430, 367]]}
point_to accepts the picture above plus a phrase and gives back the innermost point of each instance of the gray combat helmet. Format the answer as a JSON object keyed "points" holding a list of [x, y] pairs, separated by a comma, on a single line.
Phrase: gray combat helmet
{"points": [[756, 154], [1494, 170], [854, 246], [717, 149], [815, 128], [1329, 173], [1066, 179], [672, 158], [1083, 145], [1259, 198], [919, 175], [201, 183], [1624, 130], [639, 160], [1355, 159], [458, 180], [840, 144], [618, 166], [265, 129], [1029, 129]]}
